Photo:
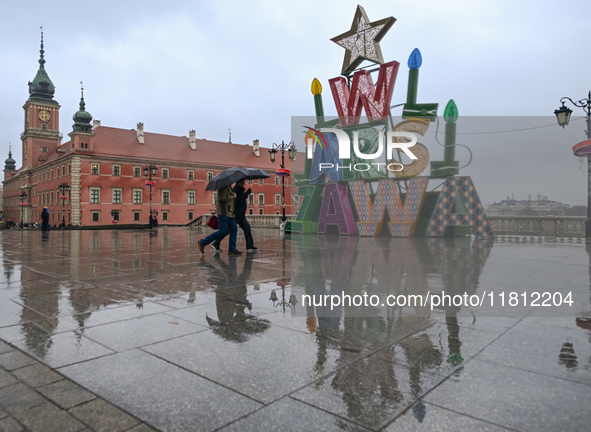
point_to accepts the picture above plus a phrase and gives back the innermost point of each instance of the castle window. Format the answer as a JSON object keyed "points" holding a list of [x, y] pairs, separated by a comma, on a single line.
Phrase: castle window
{"points": [[95, 196], [209, 175], [191, 175], [137, 171], [44, 149], [94, 169], [116, 170], [117, 196], [164, 173], [43, 127]]}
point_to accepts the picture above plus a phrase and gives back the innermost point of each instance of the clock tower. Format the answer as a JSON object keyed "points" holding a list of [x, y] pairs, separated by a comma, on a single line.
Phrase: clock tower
{"points": [[41, 136]]}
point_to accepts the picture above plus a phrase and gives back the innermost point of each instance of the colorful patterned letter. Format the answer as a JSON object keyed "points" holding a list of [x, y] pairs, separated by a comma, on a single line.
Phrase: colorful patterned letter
{"points": [[375, 99], [336, 210], [474, 216], [402, 218]]}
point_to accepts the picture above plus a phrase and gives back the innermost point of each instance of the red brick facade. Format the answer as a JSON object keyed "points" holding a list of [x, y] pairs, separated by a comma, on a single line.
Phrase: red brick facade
{"points": [[103, 167]]}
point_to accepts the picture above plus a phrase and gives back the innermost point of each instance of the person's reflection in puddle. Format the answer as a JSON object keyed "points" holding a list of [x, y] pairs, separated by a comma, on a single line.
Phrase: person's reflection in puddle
{"points": [[234, 323]]}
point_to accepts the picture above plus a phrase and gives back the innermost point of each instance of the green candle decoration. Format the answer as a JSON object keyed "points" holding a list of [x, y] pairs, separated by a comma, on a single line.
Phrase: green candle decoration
{"points": [[448, 167]]}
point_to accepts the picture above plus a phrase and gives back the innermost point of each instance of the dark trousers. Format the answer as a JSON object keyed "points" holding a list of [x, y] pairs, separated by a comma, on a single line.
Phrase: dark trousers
{"points": [[242, 223]]}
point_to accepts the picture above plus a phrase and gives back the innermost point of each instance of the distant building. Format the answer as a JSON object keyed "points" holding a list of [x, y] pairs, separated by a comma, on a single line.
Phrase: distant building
{"points": [[540, 207], [104, 170]]}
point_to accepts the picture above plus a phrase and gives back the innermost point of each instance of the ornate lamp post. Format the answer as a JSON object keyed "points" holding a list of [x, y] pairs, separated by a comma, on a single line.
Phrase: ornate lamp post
{"points": [[563, 116], [64, 189], [291, 148], [149, 171], [23, 197]]}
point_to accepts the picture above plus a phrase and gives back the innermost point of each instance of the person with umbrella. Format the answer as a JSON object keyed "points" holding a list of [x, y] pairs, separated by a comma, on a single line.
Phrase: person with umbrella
{"points": [[222, 182], [224, 207], [240, 216]]}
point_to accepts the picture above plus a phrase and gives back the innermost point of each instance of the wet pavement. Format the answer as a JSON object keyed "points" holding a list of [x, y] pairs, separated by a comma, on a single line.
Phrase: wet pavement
{"points": [[133, 330]]}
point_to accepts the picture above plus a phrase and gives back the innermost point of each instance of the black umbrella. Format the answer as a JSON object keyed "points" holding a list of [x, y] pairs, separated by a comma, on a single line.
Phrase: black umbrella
{"points": [[254, 174], [232, 175]]}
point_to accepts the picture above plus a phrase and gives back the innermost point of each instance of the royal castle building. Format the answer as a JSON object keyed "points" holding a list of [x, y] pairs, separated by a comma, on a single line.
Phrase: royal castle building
{"points": [[97, 177]]}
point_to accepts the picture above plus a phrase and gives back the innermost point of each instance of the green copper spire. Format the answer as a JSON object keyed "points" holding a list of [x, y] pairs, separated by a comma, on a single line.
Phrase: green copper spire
{"points": [[82, 118], [10, 163], [41, 87]]}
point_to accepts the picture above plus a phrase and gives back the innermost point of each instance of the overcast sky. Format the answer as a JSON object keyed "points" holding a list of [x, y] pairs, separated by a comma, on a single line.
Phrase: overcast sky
{"points": [[248, 66]]}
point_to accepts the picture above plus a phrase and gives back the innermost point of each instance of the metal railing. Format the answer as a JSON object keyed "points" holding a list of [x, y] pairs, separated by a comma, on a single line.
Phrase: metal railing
{"points": [[259, 221], [551, 226]]}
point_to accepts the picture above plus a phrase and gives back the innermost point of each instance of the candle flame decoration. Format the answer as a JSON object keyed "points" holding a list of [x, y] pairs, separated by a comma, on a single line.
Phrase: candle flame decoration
{"points": [[450, 114], [316, 87], [415, 60]]}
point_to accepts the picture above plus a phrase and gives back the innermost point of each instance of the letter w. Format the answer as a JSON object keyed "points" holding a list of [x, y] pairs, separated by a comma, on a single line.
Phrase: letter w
{"points": [[375, 99]]}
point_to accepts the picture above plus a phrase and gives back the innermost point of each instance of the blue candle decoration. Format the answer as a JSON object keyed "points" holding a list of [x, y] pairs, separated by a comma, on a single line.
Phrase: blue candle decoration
{"points": [[415, 60]]}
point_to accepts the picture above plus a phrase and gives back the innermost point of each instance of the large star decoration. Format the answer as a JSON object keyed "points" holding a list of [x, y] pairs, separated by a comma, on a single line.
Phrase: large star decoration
{"points": [[361, 42]]}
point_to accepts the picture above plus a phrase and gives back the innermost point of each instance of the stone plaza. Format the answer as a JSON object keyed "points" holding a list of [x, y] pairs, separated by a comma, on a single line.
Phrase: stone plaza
{"points": [[120, 330]]}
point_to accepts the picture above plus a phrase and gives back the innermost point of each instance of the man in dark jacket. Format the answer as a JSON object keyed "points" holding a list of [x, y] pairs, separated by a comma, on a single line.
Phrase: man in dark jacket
{"points": [[45, 219], [240, 216]]}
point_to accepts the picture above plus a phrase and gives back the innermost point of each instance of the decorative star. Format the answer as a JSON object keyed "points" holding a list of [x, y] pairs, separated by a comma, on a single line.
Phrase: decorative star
{"points": [[361, 42]]}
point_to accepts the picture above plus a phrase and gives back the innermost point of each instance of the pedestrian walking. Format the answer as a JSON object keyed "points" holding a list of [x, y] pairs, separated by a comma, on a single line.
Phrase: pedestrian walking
{"points": [[240, 216], [224, 208]]}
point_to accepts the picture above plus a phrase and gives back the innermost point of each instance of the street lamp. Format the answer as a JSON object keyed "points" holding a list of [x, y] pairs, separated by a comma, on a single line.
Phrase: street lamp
{"points": [[23, 197], [149, 171], [64, 189], [291, 148], [563, 116]]}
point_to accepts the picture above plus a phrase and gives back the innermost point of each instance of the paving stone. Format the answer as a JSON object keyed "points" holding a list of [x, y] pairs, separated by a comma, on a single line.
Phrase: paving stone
{"points": [[288, 414], [159, 393], [10, 425], [103, 417], [142, 428], [4, 347], [6, 378], [37, 375], [19, 397], [3, 413], [66, 394], [426, 417], [48, 418], [14, 360]]}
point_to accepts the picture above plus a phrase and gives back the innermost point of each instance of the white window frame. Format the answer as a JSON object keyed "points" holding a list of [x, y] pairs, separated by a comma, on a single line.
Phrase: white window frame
{"points": [[98, 190], [117, 189], [117, 167], [165, 191], [141, 192]]}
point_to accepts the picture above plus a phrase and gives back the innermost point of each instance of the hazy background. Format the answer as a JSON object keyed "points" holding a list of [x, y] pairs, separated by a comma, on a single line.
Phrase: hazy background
{"points": [[248, 66]]}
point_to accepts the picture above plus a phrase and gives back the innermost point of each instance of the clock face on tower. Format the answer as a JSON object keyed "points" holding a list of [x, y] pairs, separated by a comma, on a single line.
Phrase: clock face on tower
{"points": [[44, 115]]}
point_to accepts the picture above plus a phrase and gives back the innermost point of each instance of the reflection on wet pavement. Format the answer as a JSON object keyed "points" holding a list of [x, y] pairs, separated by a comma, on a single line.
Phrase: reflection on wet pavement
{"points": [[187, 342]]}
